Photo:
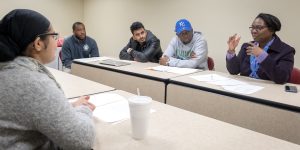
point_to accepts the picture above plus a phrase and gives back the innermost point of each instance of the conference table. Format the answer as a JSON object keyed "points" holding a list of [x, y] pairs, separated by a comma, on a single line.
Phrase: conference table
{"points": [[270, 111], [74, 86], [128, 78], [171, 128]]}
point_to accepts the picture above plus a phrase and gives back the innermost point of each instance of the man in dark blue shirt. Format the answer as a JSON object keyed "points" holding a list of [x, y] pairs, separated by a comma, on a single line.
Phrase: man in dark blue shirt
{"points": [[78, 46]]}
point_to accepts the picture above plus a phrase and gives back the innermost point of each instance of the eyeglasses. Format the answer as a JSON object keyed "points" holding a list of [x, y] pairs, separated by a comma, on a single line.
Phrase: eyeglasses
{"points": [[54, 35], [257, 28]]}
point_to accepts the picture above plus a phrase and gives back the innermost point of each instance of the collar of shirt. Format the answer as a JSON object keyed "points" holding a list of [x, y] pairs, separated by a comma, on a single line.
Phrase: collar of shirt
{"points": [[78, 40]]}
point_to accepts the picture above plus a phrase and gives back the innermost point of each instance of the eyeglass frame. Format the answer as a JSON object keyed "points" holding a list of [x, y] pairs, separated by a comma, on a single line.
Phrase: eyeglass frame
{"points": [[55, 35], [257, 28]]}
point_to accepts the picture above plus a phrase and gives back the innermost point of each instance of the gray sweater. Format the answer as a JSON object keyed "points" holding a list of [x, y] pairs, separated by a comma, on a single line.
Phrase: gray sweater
{"points": [[34, 113], [180, 54]]}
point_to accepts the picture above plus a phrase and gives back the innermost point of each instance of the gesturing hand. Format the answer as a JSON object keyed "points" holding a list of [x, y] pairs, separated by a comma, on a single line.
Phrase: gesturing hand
{"points": [[232, 42]]}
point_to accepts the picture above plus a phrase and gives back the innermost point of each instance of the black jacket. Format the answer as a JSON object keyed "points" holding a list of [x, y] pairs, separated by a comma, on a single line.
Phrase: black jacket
{"points": [[149, 51], [277, 66]]}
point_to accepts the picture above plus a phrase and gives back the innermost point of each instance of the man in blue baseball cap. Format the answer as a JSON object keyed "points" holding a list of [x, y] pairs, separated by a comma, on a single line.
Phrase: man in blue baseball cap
{"points": [[187, 50]]}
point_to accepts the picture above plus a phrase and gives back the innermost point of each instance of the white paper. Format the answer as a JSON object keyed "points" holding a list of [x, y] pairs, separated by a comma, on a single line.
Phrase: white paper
{"points": [[105, 98], [228, 82], [209, 78], [111, 107], [112, 112], [243, 89], [174, 69]]}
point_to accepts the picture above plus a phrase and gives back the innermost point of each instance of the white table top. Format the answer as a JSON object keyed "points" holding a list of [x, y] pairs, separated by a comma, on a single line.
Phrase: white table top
{"points": [[176, 129], [74, 86], [136, 68]]}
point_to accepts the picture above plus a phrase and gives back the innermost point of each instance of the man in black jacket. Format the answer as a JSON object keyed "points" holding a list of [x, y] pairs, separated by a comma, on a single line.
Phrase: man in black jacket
{"points": [[143, 46]]}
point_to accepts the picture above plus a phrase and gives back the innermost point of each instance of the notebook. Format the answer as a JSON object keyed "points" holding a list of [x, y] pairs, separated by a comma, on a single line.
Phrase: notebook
{"points": [[113, 62]]}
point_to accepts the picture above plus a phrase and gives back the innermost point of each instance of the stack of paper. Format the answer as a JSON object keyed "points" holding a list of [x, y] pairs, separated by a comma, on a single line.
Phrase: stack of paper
{"points": [[243, 89], [174, 69], [209, 78], [228, 84], [110, 107]]}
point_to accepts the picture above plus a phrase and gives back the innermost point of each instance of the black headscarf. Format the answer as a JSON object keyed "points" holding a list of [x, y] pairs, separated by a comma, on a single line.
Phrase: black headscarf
{"points": [[19, 28]]}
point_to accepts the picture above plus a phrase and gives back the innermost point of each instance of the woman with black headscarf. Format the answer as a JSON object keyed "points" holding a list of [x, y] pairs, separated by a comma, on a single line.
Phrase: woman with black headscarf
{"points": [[267, 57], [34, 111]]}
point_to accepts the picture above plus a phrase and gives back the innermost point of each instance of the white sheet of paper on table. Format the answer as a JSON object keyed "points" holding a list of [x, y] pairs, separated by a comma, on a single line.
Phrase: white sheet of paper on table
{"points": [[228, 84], [112, 112], [210, 78], [243, 89], [105, 98], [111, 107], [174, 69]]}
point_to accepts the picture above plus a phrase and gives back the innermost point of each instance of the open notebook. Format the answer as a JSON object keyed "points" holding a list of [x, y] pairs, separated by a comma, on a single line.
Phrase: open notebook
{"points": [[111, 107], [113, 62]]}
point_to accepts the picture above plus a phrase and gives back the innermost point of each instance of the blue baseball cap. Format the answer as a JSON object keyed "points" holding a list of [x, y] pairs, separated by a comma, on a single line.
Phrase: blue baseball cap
{"points": [[182, 25]]}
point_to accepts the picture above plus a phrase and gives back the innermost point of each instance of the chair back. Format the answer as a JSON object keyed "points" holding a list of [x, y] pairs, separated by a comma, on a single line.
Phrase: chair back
{"points": [[60, 42], [295, 76], [210, 63]]}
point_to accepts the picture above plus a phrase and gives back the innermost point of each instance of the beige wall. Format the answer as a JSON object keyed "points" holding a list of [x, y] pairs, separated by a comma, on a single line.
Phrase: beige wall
{"points": [[61, 13], [108, 21]]}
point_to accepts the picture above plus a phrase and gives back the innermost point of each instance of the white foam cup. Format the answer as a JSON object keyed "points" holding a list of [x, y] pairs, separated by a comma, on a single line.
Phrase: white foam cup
{"points": [[139, 107]]}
